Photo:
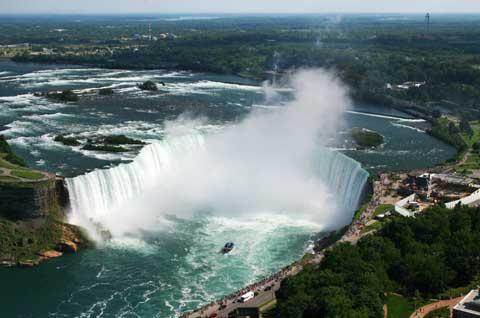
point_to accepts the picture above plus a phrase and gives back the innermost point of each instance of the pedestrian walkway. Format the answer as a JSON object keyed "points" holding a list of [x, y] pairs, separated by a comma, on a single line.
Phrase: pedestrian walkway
{"points": [[425, 310]]}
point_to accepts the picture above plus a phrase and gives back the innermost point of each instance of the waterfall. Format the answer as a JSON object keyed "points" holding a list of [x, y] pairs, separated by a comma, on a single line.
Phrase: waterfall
{"points": [[96, 194], [344, 177]]}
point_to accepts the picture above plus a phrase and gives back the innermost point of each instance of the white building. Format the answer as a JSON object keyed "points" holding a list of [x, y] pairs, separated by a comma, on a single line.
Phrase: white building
{"points": [[469, 306]]}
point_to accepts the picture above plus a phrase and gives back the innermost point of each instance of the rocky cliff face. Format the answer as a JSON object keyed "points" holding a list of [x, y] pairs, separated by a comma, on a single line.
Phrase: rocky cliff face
{"points": [[33, 206], [32, 222], [29, 200]]}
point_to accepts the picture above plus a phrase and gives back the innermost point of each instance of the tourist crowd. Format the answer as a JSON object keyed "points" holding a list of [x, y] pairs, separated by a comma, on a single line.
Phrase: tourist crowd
{"points": [[256, 288]]}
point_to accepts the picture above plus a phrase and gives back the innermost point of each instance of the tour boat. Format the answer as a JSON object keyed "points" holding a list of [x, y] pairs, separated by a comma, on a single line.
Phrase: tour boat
{"points": [[227, 248]]}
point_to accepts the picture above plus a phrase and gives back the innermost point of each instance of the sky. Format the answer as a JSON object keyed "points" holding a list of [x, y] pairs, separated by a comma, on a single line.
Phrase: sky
{"points": [[237, 6]]}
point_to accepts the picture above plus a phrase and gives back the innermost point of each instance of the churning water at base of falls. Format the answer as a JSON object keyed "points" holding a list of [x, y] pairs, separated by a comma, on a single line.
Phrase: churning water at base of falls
{"points": [[159, 275]]}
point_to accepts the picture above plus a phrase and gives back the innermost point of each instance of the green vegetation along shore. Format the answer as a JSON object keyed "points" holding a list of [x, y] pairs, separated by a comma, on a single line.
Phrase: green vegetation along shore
{"points": [[422, 257], [32, 214]]}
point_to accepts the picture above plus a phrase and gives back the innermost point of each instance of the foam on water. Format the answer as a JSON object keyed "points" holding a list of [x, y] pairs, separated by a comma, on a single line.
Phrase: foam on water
{"points": [[29, 103], [75, 77], [44, 142], [411, 120], [407, 127]]}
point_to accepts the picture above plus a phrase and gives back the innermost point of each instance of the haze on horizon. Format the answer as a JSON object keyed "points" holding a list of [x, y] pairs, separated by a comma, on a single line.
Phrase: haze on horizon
{"points": [[244, 6]]}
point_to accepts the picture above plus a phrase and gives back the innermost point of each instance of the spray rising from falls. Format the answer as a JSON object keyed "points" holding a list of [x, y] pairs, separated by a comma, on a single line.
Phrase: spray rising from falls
{"points": [[271, 163]]}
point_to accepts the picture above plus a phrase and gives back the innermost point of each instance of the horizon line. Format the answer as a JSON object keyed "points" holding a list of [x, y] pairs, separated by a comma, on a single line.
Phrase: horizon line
{"points": [[239, 13]]}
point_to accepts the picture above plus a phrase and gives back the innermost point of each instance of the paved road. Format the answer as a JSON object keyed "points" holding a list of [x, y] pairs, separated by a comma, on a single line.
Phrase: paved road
{"points": [[262, 298]]}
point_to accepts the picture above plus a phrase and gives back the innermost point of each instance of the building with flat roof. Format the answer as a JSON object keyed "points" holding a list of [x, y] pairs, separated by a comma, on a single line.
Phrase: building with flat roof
{"points": [[245, 312], [469, 306]]}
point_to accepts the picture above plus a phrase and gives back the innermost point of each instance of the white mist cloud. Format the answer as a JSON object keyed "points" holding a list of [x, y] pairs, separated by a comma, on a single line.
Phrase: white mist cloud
{"points": [[261, 165]]}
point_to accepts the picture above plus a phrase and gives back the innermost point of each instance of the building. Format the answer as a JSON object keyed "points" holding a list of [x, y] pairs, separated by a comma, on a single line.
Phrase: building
{"points": [[408, 85], [245, 312], [473, 200], [469, 306], [254, 308], [401, 207]]}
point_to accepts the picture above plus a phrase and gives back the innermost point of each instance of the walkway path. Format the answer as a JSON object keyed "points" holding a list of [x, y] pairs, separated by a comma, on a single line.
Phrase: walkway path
{"points": [[263, 296], [425, 310], [5, 172], [355, 231]]}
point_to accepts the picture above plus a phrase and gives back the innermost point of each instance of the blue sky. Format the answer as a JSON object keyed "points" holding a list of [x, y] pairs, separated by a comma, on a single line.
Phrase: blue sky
{"points": [[237, 6]]}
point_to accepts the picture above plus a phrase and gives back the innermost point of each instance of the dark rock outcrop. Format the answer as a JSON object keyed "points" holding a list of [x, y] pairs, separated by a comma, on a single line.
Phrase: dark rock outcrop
{"points": [[19, 201], [67, 247], [62, 192]]}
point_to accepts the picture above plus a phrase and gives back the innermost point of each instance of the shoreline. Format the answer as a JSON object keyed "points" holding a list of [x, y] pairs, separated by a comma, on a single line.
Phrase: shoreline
{"points": [[352, 235], [273, 282]]}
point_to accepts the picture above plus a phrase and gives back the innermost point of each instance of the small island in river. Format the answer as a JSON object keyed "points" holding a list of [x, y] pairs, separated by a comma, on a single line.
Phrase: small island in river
{"points": [[365, 138]]}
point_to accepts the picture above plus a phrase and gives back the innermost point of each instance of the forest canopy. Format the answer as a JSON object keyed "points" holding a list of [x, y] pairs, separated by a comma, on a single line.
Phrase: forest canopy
{"points": [[428, 255]]}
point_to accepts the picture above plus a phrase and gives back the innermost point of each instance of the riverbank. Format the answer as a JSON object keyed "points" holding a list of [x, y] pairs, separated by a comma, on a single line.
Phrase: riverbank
{"points": [[360, 227], [33, 208], [265, 289]]}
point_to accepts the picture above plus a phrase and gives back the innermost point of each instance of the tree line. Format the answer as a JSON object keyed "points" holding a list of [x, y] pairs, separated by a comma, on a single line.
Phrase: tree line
{"points": [[437, 251]]}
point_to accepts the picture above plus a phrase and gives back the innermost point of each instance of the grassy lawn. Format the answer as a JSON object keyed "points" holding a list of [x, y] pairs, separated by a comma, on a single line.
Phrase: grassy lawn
{"points": [[439, 313], [268, 306], [6, 164], [402, 307], [399, 306], [7, 178], [268, 309], [375, 226], [17, 171], [383, 208], [27, 174], [470, 140], [472, 163], [473, 160]]}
